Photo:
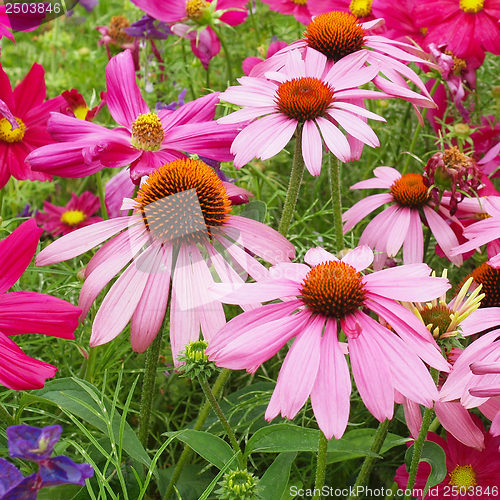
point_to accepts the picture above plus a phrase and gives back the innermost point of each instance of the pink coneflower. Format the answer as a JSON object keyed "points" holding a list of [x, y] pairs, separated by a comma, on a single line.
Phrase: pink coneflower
{"points": [[194, 19], [483, 231], [145, 139], [306, 93], [25, 312], [181, 211], [340, 34], [469, 27], [31, 111], [400, 225], [472, 474], [317, 301], [77, 213]]}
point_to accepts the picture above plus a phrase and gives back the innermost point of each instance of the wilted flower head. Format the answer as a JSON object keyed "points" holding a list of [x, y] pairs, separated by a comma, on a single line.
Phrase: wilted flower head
{"points": [[453, 171]]}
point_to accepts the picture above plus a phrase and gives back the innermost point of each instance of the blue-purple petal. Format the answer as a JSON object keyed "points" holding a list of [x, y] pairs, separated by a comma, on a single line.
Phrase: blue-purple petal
{"points": [[62, 470], [33, 443]]}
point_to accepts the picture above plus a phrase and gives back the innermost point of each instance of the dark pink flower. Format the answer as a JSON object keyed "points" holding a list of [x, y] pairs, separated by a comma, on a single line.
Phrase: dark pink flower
{"points": [[77, 213], [469, 27], [24, 312], [468, 469], [31, 111]]}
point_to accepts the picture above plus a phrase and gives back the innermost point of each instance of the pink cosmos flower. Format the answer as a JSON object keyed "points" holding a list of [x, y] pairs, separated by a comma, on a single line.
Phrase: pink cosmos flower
{"points": [[194, 19], [362, 9], [400, 224], [468, 470], [483, 231], [181, 211], [23, 312], [469, 27], [301, 10], [77, 213], [31, 111], [317, 301], [308, 93], [340, 34], [118, 187], [145, 139]]}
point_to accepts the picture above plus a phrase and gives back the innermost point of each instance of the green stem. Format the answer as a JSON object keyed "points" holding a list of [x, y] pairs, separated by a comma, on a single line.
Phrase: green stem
{"points": [[187, 65], [418, 446], [229, 62], [255, 25], [148, 387], [89, 370], [101, 194], [369, 462], [320, 465], [392, 492], [218, 411], [202, 416], [337, 202], [294, 186], [419, 128]]}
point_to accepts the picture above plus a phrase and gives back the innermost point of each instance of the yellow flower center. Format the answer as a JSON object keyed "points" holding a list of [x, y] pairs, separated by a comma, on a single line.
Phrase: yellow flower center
{"points": [[299, 2], [9, 134], [81, 112], [73, 217], [195, 9], [361, 8], [471, 6], [147, 132], [463, 476]]}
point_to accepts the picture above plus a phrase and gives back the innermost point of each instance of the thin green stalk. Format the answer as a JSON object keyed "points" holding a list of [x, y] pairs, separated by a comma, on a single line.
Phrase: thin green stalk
{"points": [[418, 445], [320, 465], [419, 128], [369, 462], [223, 420], [148, 387], [292, 194], [187, 65], [392, 492], [229, 62], [91, 359], [337, 202], [255, 25], [202, 416], [101, 194]]}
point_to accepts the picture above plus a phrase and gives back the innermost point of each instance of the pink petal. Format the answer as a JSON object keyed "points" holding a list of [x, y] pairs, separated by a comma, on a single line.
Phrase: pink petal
{"points": [[413, 246], [318, 255], [334, 139], [123, 96], [330, 395], [360, 258], [312, 147], [364, 207]]}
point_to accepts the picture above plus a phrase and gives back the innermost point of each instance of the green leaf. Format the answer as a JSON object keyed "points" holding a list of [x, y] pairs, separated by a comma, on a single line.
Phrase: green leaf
{"points": [[280, 438], [255, 210], [212, 448], [435, 456], [275, 479], [79, 398]]}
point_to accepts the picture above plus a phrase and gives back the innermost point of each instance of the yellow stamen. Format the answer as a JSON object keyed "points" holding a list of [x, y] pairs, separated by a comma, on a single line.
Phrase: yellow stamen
{"points": [[195, 9], [299, 2], [9, 134], [471, 6], [463, 476], [147, 132], [73, 217], [361, 8]]}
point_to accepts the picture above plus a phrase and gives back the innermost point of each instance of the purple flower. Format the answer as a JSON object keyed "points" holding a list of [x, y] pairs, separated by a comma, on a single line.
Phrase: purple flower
{"points": [[148, 27], [174, 104], [36, 445], [88, 5]]}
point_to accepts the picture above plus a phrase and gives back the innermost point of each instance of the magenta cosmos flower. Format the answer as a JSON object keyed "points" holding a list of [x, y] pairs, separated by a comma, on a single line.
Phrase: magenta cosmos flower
{"points": [[179, 231], [5, 24], [471, 473], [362, 9], [483, 231], [340, 34], [317, 301], [31, 111], [400, 224], [306, 93], [469, 27], [24, 312], [145, 140], [77, 213]]}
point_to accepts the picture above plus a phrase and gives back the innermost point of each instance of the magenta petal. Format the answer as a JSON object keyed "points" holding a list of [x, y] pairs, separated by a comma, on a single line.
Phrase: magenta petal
{"points": [[16, 252], [32, 312], [123, 96], [330, 396]]}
